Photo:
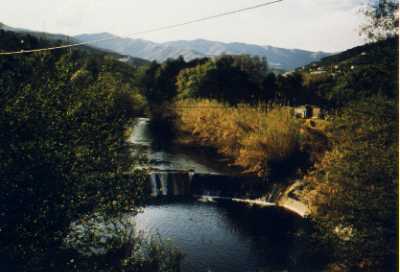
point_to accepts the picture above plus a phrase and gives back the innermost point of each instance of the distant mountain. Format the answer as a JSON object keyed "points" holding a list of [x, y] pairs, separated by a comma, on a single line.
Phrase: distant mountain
{"points": [[281, 58], [277, 57], [39, 34], [64, 39], [140, 48]]}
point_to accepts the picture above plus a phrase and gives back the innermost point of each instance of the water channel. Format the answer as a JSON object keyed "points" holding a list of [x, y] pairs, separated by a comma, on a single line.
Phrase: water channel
{"points": [[217, 236]]}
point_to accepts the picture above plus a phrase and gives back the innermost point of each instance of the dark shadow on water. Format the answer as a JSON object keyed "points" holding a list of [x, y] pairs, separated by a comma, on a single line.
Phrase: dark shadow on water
{"points": [[277, 239]]}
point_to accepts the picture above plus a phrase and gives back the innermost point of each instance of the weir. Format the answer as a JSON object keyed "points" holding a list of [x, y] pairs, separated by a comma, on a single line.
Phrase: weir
{"points": [[250, 190], [173, 173], [169, 183]]}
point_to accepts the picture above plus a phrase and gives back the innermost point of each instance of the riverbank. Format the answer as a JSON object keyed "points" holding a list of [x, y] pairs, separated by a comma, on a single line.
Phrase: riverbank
{"points": [[265, 141], [258, 139], [179, 168]]}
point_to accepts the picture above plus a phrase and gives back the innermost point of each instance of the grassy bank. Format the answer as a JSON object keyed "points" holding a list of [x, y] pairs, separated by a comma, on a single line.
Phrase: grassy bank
{"points": [[262, 140]]}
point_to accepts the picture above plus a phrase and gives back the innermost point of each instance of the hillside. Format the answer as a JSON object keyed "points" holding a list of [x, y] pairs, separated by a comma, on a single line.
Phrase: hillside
{"points": [[277, 57], [280, 58], [64, 39], [360, 72], [382, 52]]}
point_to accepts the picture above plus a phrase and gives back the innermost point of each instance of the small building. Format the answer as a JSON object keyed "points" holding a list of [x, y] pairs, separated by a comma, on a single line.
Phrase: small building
{"points": [[304, 111], [308, 111], [319, 72]]}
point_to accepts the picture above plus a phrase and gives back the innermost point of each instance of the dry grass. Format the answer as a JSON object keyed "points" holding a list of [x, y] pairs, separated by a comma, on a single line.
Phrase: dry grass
{"points": [[253, 136]]}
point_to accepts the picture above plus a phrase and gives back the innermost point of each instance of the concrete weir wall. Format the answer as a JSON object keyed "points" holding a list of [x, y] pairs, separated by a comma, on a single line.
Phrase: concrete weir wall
{"points": [[212, 188], [174, 183]]}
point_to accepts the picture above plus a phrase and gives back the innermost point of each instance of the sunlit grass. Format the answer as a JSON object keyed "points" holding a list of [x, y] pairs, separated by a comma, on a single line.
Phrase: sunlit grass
{"points": [[254, 136]]}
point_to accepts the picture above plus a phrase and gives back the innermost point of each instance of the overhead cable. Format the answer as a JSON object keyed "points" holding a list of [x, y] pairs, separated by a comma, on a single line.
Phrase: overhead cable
{"points": [[227, 13]]}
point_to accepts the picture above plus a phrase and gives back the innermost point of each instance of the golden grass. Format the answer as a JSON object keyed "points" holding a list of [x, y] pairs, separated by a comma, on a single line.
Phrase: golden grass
{"points": [[253, 136]]}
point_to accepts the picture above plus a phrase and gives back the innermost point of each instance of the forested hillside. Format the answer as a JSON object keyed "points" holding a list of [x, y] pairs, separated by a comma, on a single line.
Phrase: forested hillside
{"points": [[354, 74]]}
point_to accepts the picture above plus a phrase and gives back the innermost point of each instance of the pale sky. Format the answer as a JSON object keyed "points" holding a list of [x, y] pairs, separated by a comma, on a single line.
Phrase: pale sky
{"points": [[326, 25]]}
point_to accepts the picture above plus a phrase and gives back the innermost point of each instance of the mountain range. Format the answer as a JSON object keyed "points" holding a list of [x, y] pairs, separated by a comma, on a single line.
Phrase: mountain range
{"points": [[280, 58]]}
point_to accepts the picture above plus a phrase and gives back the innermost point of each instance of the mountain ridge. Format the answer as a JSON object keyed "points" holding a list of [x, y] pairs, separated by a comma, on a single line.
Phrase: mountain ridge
{"points": [[277, 57], [282, 58], [61, 38]]}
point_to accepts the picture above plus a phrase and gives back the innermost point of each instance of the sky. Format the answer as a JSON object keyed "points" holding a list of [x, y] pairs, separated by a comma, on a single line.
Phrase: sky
{"points": [[318, 25]]}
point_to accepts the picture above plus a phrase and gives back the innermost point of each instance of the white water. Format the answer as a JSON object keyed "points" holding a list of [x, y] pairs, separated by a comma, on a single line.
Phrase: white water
{"points": [[170, 184], [141, 133], [163, 160]]}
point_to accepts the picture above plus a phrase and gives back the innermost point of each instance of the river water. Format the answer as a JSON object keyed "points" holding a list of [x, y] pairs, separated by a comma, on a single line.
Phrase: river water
{"points": [[220, 236], [165, 157]]}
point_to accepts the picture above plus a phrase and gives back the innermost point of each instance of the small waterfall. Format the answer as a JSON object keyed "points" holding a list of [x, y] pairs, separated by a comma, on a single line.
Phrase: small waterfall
{"points": [[212, 187], [153, 186], [164, 183], [141, 133]]}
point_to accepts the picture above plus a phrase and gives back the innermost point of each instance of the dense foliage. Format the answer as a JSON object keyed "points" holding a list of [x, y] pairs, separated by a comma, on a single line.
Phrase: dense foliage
{"points": [[158, 81], [357, 184], [231, 79], [63, 155], [355, 74], [383, 20]]}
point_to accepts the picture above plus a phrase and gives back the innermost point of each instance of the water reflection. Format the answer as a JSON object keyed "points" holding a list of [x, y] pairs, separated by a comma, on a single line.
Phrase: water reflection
{"points": [[227, 236], [162, 155]]}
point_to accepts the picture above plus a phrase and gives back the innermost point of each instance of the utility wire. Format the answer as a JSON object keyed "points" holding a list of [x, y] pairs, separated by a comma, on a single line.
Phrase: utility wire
{"points": [[144, 32]]}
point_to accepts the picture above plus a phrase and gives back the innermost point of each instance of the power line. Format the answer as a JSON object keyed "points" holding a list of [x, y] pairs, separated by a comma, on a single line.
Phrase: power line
{"points": [[144, 32]]}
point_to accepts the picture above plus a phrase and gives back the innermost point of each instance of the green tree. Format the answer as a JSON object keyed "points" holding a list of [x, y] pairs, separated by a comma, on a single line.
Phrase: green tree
{"points": [[63, 116], [159, 80], [382, 20], [358, 183], [290, 90], [233, 79]]}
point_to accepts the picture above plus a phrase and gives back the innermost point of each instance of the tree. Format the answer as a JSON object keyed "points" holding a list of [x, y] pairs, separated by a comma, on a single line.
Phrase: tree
{"points": [[232, 79], [382, 20], [358, 187], [290, 90], [269, 88], [159, 80], [149, 80], [64, 158]]}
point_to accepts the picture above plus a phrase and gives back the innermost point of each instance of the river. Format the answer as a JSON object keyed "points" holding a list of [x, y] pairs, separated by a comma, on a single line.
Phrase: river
{"points": [[216, 236]]}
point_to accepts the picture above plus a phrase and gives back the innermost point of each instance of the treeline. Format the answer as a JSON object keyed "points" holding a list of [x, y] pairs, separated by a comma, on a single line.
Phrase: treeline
{"points": [[332, 83], [231, 79], [64, 159]]}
